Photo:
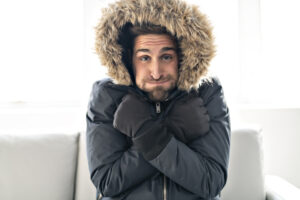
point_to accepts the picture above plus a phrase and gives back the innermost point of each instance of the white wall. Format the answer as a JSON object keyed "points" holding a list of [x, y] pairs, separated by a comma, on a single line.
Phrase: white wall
{"points": [[281, 138]]}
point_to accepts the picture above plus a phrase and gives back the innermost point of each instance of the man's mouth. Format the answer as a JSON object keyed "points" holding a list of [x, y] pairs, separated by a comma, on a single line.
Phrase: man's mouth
{"points": [[158, 82]]}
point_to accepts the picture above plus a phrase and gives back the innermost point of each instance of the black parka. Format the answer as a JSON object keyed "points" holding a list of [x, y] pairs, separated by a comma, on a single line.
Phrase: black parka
{"points": [[193, 171], [197, 170]]}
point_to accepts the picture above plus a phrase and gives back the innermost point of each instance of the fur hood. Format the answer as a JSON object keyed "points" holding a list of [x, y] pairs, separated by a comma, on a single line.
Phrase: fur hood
{"points": [[191, 28]]}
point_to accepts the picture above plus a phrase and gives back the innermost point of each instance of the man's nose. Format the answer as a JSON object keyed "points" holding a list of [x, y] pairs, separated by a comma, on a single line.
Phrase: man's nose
{"points": [[156, 70]]}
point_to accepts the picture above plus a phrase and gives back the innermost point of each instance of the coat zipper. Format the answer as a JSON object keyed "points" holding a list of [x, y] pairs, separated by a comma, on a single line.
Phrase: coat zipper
{"points": [[158, 109], [165, 188]]}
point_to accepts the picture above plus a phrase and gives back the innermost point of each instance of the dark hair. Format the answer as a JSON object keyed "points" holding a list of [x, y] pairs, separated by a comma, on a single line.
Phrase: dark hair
{"points": [[127, 38]]}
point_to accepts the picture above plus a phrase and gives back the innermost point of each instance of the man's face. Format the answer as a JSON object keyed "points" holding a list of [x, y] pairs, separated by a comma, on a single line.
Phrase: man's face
{"points": [[155, 64]]}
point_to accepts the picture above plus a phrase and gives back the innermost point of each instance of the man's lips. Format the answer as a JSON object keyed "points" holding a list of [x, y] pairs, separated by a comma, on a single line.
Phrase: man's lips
{"points": [[158, 82]]}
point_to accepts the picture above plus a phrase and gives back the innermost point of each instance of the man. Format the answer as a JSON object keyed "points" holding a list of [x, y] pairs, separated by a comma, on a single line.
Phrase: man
{"points": [[158, 129]]}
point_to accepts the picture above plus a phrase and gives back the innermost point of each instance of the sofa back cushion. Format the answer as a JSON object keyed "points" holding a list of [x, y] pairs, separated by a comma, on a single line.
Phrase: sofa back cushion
{"points": [[36, 167]]}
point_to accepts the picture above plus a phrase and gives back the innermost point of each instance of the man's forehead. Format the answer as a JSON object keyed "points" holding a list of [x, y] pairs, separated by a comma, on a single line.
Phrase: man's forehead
{"points": [[150, 40]]}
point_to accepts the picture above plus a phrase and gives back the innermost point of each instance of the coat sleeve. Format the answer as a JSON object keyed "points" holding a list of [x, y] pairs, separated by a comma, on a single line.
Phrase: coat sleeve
{"points": [[201, 166], [113, 164]]}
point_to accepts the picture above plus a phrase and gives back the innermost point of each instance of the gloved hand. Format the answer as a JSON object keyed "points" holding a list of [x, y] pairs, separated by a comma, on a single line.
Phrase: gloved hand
{"points": [[133, 118], [131, 114], [188, 119]]}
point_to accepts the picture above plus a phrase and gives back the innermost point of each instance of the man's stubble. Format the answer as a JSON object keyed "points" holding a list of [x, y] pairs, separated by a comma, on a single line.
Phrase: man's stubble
{"points": [[159, 93]]}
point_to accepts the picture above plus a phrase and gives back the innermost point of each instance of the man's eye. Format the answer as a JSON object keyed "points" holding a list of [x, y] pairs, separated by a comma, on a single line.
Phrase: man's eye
{"points": [[167, 57], [144, 58]]}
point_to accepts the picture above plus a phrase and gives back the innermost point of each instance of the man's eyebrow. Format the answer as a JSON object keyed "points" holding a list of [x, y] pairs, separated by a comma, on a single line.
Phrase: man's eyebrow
{"points": [[142, 50], [167, 49], [162, 50]]}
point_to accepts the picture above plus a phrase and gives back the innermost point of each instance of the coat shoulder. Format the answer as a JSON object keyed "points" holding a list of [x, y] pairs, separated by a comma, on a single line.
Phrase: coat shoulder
{"points": [[104, 99], [107, 89], [213, 97], [210, 86]]}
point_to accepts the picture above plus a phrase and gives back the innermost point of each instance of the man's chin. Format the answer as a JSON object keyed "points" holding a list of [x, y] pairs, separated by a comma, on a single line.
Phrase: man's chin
{"points": [[158, 94]]}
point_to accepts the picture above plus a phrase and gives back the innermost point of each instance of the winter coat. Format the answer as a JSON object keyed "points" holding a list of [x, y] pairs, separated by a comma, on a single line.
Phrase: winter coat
{"points": [[181, 171]]}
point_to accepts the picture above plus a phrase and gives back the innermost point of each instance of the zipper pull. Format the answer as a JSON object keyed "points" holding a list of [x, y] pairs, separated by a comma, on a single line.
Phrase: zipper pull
{"points": [[158, 110]]}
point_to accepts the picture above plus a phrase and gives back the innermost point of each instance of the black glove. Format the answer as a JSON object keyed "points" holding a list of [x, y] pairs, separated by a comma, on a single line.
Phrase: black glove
{"points": [[132, 113], [188, 119], [133, 118]]}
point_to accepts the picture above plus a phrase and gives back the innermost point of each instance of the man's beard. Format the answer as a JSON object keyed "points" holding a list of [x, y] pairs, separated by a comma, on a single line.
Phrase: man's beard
{"points": [[159, 93]]}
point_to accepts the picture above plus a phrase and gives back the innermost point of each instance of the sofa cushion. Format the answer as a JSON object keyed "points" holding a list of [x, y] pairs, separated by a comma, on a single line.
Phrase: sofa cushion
{"points": [[38, 167]]}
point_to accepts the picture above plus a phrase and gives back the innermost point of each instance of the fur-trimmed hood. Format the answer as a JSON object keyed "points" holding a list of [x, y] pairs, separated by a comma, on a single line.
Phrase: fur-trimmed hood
{"points": [[191, 28]]}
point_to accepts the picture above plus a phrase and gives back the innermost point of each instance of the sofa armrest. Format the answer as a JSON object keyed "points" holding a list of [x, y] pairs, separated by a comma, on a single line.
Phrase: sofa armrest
{"points": [[279, 189], [245, 172], [85, 190]]}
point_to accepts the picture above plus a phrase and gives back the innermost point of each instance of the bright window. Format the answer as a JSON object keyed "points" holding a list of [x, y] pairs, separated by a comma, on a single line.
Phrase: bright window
{"points": [[41, 66], [280, 67], [41, 51]]}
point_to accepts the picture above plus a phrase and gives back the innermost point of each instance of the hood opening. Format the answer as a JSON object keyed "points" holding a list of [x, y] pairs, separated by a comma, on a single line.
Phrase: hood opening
{"points": [[185, 22]]}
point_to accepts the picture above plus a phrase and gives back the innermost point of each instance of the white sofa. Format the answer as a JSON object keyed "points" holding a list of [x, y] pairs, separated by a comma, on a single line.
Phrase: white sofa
{"points": [[54, 167]]}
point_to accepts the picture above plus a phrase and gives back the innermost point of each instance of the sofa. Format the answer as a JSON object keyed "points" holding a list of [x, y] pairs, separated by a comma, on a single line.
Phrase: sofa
{"points": [[54, 167]]}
